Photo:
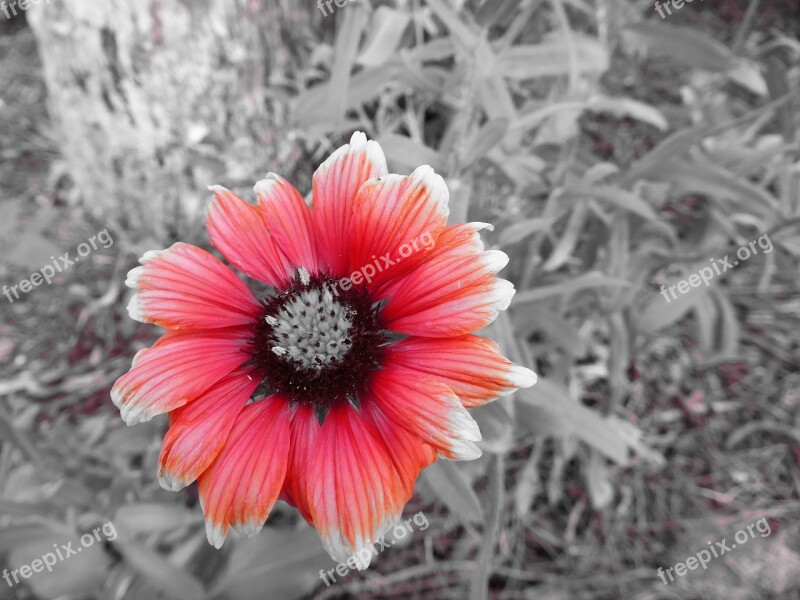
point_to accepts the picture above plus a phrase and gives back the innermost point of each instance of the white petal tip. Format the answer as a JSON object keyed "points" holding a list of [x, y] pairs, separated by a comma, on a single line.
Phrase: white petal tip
{"points": [[134, 275], [150, 255], [252, 528], [521, 377], [495, 260], [263, 187], [465, 426], [135, 308], [358, 139], [503, 293], [465, 450], [170, 483], [215, 534], [480, 226]]}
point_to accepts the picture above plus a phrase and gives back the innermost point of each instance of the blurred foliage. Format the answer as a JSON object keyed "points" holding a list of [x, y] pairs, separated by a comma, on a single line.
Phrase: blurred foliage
{"points": [[615, 152]]}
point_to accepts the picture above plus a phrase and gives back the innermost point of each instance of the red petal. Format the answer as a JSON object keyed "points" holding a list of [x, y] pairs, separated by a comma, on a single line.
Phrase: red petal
{"points": [[177, 369], [289, 220], [335, 184], [471, 366], [305, 429], [450, 297], [395, 223], [198, 430], [184, 287], [354, 492], [429, 409], [239, 231], [242, 484]]}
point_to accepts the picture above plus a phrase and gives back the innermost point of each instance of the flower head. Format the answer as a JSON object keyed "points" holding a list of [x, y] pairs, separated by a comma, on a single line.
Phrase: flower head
{"points": [[351, 376]]}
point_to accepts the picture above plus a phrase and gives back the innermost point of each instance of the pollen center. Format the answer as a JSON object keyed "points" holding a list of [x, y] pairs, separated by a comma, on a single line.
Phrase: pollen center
{"points": [[312, 330], [316, 342]]}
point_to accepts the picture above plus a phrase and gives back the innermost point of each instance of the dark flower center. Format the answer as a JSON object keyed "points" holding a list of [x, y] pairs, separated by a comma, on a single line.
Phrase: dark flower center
{"points": [[315, 342]]}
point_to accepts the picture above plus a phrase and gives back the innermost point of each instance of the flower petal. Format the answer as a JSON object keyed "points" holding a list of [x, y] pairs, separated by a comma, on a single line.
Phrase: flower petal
{"points": [[450, 297], [289, 220], [198, 430], [429, 409], [184, 287], [242, 484], [177, 369], [354, 492], [335, 184], [409, 453], [239, 230], [396, 221], [459, 240], [471, 366], [304, 431]]}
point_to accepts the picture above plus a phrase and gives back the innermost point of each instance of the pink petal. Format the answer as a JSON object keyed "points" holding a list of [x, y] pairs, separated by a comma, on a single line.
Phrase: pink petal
{"points": [[396, 222], [471, 366], [429, 409], [177, 369], [239, 231], [184, 287], [242, 484], [289, 221], [335, 184], [449, 297], [354, 492], [198, 430]]}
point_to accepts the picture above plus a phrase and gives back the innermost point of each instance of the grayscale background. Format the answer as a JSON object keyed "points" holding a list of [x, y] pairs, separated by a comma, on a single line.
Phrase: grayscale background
{"points": [[617, 146]]}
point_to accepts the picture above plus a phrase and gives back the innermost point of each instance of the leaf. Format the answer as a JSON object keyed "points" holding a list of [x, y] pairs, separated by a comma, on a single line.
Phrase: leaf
{"points": [[154, 518], [157, 570], [706, 178], [552, 58], [78, 576], [461, 33], [658, 313], [284, 561], [597, 478], [483, 140], [20, 535], [518, 231], [746, 74], [496, 425], [616, 196], [627, 107], [559, 331], [695, 49], [451, 486], [328, 102], [33, 251], [386, 32], [404, 154], [706, 321], [592, 279], [676, 144], [10, 212], [567, 417], [730, 330], [569, 238]]}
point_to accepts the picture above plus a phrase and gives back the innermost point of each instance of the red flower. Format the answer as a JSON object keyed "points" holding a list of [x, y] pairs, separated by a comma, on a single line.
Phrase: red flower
{"points": [[364, 347]]}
